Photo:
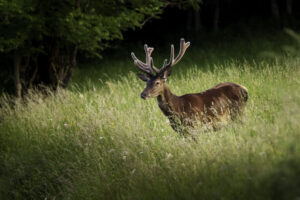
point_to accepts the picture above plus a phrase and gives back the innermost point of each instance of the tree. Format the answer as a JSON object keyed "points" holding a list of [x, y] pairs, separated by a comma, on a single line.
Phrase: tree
{"points": [[274, 9], [289, 6], [42, 38], [216, 15]]}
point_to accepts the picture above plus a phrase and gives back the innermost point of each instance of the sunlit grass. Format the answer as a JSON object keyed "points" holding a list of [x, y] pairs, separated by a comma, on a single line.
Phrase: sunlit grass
{"points": [[100, 140]]}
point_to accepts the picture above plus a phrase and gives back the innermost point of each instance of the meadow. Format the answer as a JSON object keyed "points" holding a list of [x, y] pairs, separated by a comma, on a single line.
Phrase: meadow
{"points": [[100, 140]]}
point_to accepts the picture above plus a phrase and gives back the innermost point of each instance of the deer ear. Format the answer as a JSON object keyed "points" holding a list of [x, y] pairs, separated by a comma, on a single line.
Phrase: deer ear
{"points": [[143, 77]]}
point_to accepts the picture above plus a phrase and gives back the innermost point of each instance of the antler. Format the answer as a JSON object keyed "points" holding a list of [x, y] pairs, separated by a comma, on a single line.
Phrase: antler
{"points": [[147, 67], [183, 46]]}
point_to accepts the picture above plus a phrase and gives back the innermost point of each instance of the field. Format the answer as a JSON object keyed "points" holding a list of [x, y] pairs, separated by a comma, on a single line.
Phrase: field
{"points": [[100, 140]]}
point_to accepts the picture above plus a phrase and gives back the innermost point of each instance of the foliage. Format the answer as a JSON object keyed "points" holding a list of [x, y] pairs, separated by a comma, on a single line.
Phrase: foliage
{"points": [[42, 38], [185, 4], [99, 140], [87, 24]]}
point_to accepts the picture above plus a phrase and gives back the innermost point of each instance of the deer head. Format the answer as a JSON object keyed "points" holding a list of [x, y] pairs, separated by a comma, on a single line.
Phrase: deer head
{"points": [[156, 78]]}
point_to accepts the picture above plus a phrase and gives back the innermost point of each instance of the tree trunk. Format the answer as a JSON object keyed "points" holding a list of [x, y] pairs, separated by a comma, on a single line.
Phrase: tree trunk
{"points": [[216, 16], [198, 22], [274, 9], [189, 21], [51, 70], [17, 79], [193, 23], [62, 62], [69, 73], [289, 6]]}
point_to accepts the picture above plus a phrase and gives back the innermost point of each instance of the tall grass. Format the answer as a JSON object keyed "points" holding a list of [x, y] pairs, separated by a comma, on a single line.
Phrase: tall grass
{"points": [[99, 140]]}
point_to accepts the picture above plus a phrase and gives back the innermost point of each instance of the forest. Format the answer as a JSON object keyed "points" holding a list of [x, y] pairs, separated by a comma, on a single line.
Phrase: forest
{"points": [[73, 124]]}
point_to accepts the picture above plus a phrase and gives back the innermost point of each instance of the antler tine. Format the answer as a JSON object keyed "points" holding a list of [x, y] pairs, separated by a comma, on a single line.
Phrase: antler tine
{"points": [[171, 61], [148, 52], [164, 65], [139, 64], [149, 59], [153, 67], [183, 46], [147, 67]]}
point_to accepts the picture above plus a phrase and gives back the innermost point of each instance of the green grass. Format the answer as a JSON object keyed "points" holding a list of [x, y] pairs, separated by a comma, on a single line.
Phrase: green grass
{"points": [[100, 140]]}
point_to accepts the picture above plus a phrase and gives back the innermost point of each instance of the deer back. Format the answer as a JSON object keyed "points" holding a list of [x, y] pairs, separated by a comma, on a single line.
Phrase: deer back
{"points": [[225, 100]]}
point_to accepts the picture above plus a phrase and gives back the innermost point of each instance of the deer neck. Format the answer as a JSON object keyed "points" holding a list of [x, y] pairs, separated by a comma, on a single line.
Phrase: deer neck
{"points": [[166, 101]]}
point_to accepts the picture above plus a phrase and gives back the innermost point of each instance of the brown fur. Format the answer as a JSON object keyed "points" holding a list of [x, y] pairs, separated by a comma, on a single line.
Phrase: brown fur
{"points": [[223, 102]]}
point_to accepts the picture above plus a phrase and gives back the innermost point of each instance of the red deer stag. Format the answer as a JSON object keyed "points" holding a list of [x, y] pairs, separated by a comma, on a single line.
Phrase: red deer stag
{"points": [[223, 102]]}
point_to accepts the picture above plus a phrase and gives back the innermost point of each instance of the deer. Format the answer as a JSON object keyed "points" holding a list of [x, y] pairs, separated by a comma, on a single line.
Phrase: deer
{"points": [[221, 103]]}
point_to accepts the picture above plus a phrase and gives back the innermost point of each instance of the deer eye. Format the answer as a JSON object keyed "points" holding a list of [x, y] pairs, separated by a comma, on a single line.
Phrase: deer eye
{"points": [[156, 83]]}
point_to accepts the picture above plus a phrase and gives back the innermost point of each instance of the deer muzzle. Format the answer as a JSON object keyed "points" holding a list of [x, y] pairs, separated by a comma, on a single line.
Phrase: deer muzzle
{"points": [[143, 95]]}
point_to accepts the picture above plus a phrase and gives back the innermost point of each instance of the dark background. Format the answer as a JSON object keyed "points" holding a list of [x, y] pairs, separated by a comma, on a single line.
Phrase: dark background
{"points": [[235, 16]]}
